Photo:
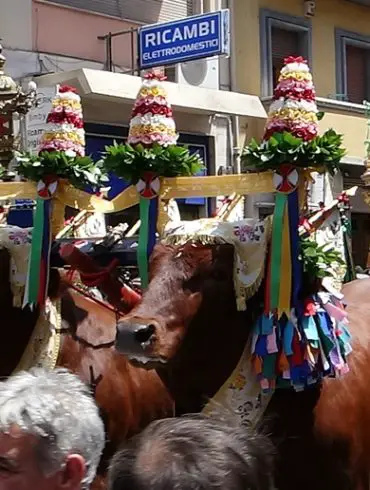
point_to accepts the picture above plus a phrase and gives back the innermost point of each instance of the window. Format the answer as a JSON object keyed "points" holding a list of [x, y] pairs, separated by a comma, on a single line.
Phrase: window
{"points": [[281, 36], [265, 211], [353, 66]]}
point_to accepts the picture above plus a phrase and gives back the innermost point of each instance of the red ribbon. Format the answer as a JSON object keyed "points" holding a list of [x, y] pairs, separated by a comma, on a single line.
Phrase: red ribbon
{"points": [[67, 88], [295, 59]]}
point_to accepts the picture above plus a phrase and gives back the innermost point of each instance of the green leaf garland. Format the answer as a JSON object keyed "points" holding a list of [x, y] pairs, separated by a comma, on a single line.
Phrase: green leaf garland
{"points": [[79, 171], [129, 162], [318, 260], [322, 153]]}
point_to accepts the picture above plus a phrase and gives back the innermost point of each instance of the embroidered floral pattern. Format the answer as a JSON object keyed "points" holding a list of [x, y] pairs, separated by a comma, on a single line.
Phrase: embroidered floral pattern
{"points": [[20, 237], [248, 233]]}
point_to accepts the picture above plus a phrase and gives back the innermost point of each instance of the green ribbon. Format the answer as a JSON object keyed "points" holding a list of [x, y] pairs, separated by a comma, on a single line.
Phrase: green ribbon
{"points": [[350, 266], [276, 243], [36, 249], [142, 249]]}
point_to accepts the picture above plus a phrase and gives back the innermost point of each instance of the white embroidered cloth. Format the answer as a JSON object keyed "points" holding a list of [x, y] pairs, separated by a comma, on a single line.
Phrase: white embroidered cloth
{"points": [[249, 237], [18, 242], [44, 345], [241, 394]]}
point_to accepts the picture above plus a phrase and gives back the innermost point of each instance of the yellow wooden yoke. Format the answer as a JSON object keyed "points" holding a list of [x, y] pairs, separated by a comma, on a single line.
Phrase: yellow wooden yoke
{"points": [[176, 187]]}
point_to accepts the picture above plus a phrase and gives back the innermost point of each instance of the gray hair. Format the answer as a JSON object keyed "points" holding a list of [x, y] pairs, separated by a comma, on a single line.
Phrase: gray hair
{"points": [[194, 453], [57, 408]]}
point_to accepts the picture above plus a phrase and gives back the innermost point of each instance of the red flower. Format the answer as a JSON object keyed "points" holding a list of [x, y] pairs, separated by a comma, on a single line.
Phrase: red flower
{"points": [[307, 132], [65, 117], [344, 198], [294, 59], [66, 88], [294, 89], [309, 307], [153, 108], [155, 76]]}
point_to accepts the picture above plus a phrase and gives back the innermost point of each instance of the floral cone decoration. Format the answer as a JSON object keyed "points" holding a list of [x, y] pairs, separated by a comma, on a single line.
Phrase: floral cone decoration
{"points": [[61, 156], [65, 124], [152, 120], [297, 340], [151, 152], [294, 102]]}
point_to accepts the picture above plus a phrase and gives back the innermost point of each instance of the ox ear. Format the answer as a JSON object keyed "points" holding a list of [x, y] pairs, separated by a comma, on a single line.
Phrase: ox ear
{"points": [[194, 301]]}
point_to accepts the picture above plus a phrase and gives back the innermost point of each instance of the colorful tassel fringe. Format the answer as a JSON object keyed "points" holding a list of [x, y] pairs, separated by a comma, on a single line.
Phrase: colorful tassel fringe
{"points": [[299, 349]]}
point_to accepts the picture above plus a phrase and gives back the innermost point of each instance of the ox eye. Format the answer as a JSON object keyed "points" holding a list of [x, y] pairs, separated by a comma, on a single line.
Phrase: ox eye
{"points": [[190, 284]]}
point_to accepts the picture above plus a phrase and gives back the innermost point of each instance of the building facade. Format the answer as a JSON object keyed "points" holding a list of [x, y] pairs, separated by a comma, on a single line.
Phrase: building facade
{"points": [[56, 41], [334, 36], [92, 45]]}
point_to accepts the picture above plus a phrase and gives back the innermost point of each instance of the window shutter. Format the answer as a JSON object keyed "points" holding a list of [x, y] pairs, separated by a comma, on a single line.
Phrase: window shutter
{"points": [[146, 11], [284, 43], [356, 61]]}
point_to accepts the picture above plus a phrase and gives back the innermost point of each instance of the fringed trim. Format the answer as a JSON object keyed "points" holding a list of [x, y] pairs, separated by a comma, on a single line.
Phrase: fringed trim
{"points": [[244, 293], [302, 349], [191, 238]]}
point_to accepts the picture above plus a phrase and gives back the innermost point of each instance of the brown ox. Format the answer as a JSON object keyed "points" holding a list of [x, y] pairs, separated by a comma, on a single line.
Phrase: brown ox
{"points": [[128, 397], [188, 328]]}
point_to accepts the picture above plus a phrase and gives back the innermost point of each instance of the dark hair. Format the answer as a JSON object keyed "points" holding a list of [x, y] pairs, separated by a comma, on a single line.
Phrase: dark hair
{"points": [[193, 453]]}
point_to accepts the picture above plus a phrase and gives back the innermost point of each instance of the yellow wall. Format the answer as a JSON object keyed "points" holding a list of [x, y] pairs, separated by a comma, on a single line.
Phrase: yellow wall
{"points": [[329, 15]]}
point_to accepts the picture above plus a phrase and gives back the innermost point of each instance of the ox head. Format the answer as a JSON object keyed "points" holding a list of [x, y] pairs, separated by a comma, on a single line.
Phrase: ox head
{"points": [[187, 283]]}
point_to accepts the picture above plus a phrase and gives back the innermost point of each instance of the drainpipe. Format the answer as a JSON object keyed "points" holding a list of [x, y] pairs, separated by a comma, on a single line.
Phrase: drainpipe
{"points": [[232, 74]]}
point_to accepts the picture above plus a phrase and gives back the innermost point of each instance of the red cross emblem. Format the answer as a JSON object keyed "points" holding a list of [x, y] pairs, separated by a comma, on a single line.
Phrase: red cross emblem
{"points": [[285, 179], [46, 188], [149, 185]]}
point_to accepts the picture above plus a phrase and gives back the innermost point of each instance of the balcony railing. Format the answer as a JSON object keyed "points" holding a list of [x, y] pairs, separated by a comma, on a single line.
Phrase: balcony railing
{"points": [[109, 38]]}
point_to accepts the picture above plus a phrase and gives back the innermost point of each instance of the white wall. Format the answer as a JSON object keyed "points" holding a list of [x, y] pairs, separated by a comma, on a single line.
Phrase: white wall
{"points": [[16, 23]]}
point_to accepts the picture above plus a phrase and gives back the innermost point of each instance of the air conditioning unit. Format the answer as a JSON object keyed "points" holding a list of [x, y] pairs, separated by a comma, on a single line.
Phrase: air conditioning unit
{"points": [[200, 73]]}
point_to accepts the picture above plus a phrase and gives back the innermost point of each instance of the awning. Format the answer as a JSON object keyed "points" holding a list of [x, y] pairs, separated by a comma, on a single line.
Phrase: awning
{"points": [[122, 89]]}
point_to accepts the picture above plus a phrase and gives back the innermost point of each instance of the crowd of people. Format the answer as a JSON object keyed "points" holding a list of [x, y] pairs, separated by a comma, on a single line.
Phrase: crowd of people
{"points": [[52, 438]]}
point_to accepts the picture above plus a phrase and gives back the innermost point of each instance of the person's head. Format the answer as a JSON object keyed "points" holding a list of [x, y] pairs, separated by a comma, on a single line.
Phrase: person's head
{"points": [[193, 453], [51, 434]]}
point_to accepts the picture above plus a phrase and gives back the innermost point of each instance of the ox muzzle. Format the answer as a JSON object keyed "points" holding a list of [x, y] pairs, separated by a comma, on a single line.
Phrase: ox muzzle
{"points": [[135, 340]]}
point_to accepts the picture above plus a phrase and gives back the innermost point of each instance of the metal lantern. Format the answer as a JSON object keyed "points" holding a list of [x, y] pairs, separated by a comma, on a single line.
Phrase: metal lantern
{"points": [[12, 100]]}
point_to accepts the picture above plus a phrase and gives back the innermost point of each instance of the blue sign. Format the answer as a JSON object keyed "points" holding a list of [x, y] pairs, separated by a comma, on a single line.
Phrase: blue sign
{"points": [[191, 38]]}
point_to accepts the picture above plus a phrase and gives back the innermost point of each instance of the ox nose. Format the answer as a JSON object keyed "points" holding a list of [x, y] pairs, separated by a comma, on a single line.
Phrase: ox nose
{"points": [[131, 338], [144, 333]]}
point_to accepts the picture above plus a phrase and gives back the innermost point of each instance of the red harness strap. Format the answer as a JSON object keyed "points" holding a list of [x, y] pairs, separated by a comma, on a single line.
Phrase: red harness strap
{"points": [[92, 275], [94, 279]]}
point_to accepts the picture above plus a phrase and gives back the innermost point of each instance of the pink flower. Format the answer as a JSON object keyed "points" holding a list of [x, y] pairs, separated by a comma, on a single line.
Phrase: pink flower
{"points": [[147, 139]]}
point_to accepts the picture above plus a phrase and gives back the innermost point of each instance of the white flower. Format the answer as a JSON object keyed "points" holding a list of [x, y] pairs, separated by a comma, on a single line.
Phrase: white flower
{"points": [[70, 153]]}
